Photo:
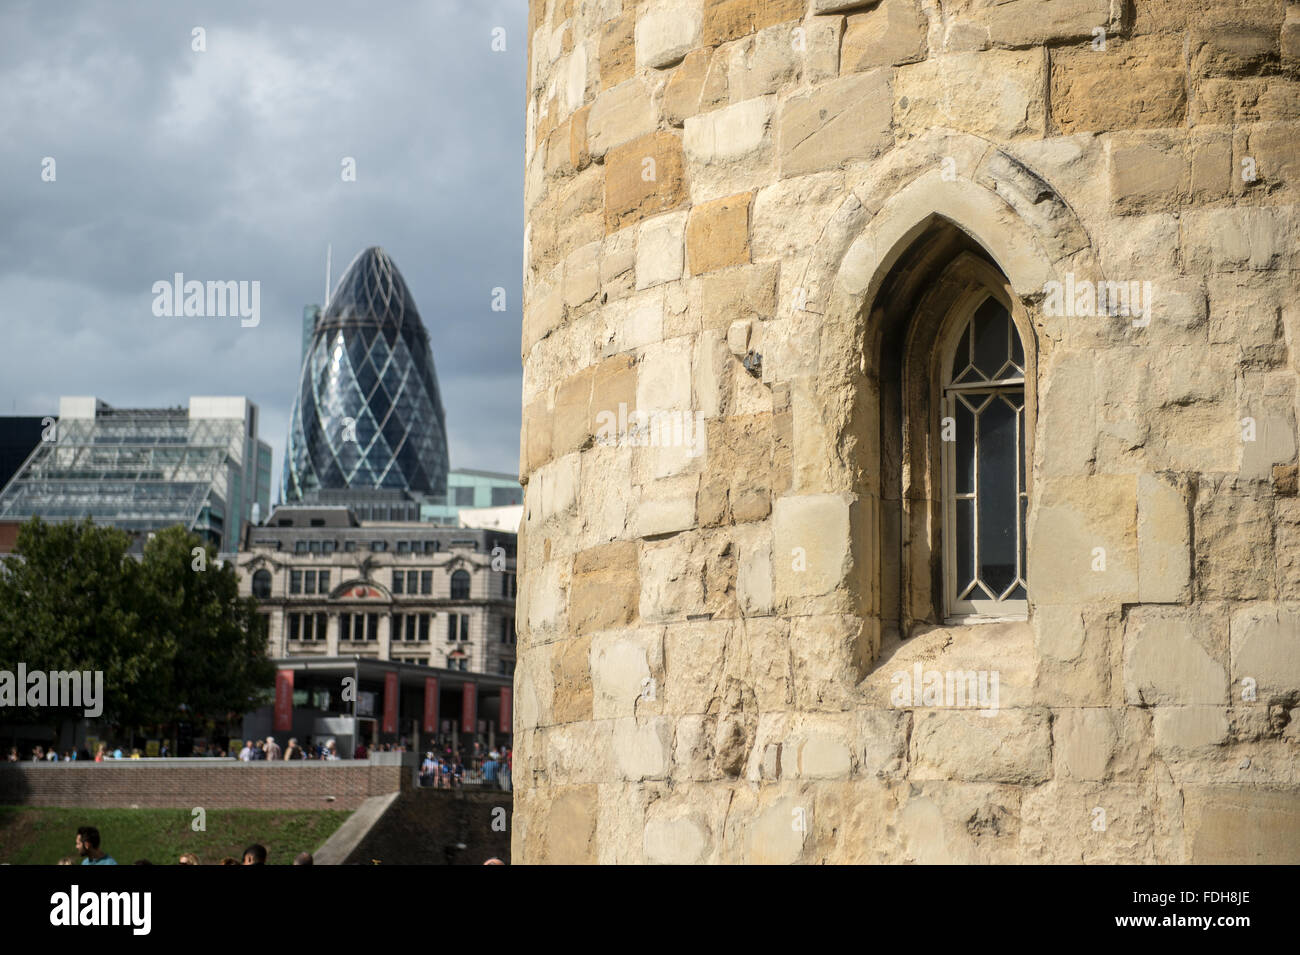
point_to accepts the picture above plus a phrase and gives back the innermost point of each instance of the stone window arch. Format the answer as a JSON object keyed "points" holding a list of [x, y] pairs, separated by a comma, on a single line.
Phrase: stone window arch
{"points": [[927, 308], [460, 585], [262, 584]]}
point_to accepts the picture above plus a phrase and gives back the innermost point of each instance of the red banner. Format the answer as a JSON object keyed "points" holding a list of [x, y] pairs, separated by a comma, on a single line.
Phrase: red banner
{"points": [[468, 707], [506, 719], [431, 704], [283, 701], [390, 703]]}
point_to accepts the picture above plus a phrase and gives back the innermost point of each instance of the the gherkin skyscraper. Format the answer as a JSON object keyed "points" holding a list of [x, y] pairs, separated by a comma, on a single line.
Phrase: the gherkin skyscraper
{"points": [[368, 413]]}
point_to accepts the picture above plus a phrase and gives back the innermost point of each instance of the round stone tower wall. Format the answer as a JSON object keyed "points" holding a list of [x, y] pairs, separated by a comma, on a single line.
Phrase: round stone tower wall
{"points": [[748, 224]]}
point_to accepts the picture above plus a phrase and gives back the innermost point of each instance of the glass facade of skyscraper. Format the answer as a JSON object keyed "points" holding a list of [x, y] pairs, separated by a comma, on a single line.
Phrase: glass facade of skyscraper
{"points": [[367, 413]]}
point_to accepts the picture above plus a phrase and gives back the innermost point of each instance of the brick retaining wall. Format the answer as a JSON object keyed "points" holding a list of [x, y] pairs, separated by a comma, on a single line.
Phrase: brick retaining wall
{"points": [[210, 783]]}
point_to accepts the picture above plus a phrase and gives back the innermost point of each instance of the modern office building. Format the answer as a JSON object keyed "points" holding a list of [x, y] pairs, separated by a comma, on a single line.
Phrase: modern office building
{"points": [[367, 414], [19, 435], [143, 469], [467, 488], [331, 585]]}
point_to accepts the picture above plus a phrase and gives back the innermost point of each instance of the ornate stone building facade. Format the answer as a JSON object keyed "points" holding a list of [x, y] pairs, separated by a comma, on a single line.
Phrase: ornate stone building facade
{"points": [[330, 585], [910, 400]]}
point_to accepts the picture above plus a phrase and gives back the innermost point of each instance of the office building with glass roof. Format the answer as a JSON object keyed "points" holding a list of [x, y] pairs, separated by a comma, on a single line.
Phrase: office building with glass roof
{"points": [[143, 469]]}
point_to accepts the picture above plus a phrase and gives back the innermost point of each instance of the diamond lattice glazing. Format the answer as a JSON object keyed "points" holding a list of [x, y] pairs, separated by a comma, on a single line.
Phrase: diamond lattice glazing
{"points": [[368, 413]]}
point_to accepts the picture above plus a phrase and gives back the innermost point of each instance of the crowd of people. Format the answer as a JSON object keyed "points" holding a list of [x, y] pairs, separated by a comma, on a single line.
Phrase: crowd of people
{"points": [[90, 852], [88, 848], [448, 769], [444, 767]]}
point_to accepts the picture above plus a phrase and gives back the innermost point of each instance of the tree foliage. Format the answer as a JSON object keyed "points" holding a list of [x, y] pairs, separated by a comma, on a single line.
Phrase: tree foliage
{"points": [[170, 632]]}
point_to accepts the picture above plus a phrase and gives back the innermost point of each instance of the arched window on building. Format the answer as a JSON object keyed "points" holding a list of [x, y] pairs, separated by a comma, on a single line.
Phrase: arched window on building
{"points": [[262, 584], [984, 494], [951, 381], [460, 585]]}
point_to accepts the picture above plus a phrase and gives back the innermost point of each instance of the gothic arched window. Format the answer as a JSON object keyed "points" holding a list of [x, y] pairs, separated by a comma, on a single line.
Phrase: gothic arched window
{"points": [[984, 490]]}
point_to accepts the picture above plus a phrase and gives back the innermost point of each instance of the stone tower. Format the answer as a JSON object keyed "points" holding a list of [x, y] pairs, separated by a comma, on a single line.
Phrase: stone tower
{"points": [[910, 401]]}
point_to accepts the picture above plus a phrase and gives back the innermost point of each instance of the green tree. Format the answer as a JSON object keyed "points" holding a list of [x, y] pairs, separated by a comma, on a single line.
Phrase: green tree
{"points": [[170, 632], [210, 636], [70, 599]]}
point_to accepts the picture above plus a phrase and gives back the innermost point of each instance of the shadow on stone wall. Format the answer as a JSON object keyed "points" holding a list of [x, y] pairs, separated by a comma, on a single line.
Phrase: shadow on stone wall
{"points": [[440, 827]]}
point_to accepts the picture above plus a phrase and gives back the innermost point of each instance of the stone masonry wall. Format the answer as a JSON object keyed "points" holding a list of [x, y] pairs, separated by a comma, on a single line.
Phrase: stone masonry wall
{"points": [[716, 192], [186, 783]]}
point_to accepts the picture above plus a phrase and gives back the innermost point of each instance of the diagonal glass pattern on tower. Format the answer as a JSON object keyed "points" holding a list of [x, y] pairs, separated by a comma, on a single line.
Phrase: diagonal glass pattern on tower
{"points": [[368, 413]]}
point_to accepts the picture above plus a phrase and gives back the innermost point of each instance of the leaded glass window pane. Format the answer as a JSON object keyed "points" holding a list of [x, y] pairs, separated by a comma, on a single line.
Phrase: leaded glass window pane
{"points": [[984, 489]]}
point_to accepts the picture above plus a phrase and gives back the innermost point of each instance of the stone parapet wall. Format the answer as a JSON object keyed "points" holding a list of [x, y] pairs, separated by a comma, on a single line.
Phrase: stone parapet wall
{"points": [[725, 201], [210, 783]]}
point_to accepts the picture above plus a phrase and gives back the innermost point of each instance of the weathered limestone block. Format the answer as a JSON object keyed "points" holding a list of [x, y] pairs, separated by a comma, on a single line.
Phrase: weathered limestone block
{"points": [[1287, 531], [823, 649], [892, 33], [996, 93], [1236, 825], [765, 63], [1032, 22], [811, 544], [718, 234], [845, 119], [683, 840], [1228, 48], [643, 178], [643, 749], [626, 669], [1066, 442], [605, 587], [1164, 539], [670, 587], [617, 55], [1266, 649], [819, 747], [1174, 656], [571, 426], [697, 85], [1076, 650], [1134, 84], [581, 275], [954, 823], [731, 19], [557, 486], [738, 293], [1084, 538], [571, 676], [1234, 549], [581, 752], [1232, 239], [1085, 740], [1244, 100], [726, 148], [619, 114], [660, 249], [788, 216], [1068, 821], [1189, 728], [1014, 746], [569, 834], [666, 33], [882, 737]]}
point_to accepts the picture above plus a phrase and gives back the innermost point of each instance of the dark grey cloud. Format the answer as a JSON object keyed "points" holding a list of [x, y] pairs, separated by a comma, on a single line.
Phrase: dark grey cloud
{"points": [[225, 165]]}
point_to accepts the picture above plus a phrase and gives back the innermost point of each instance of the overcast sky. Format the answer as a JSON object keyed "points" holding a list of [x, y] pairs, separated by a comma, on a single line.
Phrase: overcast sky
{"points": [[226, 165]]}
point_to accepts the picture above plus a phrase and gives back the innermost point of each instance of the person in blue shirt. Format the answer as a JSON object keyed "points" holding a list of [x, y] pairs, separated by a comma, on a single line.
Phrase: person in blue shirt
{"points": [[88, 848]]}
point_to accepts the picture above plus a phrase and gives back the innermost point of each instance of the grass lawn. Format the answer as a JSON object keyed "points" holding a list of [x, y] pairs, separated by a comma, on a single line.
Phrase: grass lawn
{"points": [[40, 836]]}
